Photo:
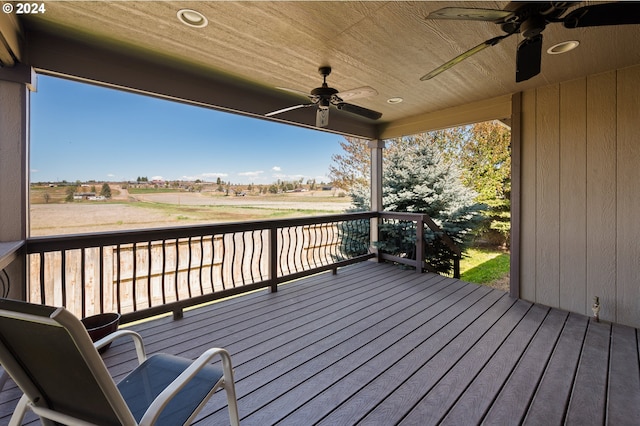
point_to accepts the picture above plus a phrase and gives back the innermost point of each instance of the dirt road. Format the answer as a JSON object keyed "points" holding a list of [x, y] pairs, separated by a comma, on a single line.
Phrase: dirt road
{"points": [[203, 199]]}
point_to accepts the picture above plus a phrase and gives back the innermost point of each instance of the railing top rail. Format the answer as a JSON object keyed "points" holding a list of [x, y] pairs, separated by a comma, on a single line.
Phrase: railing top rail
{"points": [[9, 252], [443, 235], [401, 215], [429, 222], [78, 241]]}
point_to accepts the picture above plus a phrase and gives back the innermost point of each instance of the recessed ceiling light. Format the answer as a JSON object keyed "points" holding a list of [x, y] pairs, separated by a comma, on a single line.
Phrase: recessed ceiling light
{"points": [[192, 18], [563, 47], [395, 100]]}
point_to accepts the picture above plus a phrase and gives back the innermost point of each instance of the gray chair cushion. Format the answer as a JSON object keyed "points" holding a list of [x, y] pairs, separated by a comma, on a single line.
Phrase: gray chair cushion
{"points": [[148, 380]]}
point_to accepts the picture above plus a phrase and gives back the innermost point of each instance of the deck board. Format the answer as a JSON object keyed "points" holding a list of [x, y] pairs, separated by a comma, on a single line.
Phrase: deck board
{"points": [[441, 398], [517, 392], [552, 396], [624, 378], [477, 398], [373, 377], [376, 344], [408, 395], [587, 405]]}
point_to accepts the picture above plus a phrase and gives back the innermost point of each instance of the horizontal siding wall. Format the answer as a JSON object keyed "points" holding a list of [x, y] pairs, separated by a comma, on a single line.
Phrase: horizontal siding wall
{"points": [[580, 195]]}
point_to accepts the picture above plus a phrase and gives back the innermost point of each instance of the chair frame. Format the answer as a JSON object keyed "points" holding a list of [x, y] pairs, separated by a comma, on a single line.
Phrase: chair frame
{"points": [[60, 317]]}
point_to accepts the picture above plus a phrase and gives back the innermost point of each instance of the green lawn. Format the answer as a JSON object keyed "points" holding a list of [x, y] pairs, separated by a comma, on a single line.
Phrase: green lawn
{"points": [[482, 266]]}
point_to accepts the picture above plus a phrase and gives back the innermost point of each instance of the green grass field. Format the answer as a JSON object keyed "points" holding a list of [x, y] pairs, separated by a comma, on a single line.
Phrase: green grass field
{"points": [[483, 266]]}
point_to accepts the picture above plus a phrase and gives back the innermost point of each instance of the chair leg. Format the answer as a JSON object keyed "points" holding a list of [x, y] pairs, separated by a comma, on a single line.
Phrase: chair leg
{"points": [[232, 403]]}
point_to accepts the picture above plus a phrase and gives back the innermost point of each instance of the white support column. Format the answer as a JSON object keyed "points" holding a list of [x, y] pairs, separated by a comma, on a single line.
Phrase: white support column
{"points": [[376, 147], [15, 83]]}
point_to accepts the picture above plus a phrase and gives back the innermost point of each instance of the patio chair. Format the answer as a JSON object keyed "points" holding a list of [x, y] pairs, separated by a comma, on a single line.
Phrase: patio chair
{"points": [[48, 353]]}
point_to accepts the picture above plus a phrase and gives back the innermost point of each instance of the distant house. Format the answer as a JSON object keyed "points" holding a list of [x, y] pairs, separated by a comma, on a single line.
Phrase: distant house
{"points": [[84, 195]]}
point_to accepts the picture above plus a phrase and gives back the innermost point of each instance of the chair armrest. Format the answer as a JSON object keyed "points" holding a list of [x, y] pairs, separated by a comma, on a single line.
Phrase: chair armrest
{"points": [[158, 404], [137, 340]]}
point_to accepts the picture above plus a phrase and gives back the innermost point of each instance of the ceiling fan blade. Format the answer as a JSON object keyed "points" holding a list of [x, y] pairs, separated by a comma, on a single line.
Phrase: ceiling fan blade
{"points": [[471, 14], [322, 117], [529, 58], [355, 109], [442, 68], [623, 13], [291, 108], [360, 92]]}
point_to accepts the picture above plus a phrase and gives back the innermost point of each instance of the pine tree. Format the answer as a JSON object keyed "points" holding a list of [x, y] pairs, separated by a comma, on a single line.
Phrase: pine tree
{"points": [[105, 191], [418, 179]]}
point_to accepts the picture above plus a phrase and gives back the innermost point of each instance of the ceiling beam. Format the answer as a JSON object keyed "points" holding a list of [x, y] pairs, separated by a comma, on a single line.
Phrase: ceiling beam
{"points": [[161, 77], [498, 108]]}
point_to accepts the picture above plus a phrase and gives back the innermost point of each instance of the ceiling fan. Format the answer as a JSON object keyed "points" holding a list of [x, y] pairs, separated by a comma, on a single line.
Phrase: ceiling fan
{"points": [[530, 19], [324, 96]]}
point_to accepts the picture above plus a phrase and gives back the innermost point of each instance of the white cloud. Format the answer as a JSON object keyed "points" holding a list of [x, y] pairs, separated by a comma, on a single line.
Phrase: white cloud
{"points": [[156, 178], [285, 177], [251, 174], [276, 168], [214, 174], [110, 175]]}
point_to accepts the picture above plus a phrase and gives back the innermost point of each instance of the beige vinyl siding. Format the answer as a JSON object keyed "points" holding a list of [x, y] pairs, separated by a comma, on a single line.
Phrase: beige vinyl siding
{"points": [[601, 192], [547, 196], [573, 195], [528, 276], [628, 200], [580, 195]]}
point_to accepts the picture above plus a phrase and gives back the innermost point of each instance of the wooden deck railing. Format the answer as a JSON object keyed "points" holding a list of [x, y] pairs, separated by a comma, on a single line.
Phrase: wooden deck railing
{"points": [[147, 272], [414, 239]]}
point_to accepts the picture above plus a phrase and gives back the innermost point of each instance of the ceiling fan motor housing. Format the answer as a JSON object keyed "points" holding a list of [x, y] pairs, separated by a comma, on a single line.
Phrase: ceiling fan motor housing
{"points": [[533, 26], [324, 91]]}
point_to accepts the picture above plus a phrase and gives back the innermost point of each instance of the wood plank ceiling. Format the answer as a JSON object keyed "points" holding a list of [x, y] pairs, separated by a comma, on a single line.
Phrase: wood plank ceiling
{"points": [[265, 45]]}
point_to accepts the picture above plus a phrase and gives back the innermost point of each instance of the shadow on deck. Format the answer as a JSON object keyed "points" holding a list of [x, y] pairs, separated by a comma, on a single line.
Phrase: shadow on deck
{"points": [[375, 344]]}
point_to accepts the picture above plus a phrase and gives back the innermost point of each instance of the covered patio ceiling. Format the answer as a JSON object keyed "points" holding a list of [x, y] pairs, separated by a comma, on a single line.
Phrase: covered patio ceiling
{"points": [[249, 50]]}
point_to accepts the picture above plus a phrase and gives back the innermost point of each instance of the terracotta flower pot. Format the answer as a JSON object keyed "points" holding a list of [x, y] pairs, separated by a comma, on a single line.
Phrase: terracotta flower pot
{"points": [[98, 326]]}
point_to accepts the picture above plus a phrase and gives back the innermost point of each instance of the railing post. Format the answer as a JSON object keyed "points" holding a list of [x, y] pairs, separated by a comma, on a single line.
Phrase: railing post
{"points": [[376, 146], [273, 258], [419, 243], [15, 84], [456, 267]]}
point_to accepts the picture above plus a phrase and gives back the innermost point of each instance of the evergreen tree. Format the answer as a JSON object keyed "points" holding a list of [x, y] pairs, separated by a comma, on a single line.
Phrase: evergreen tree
{"points": [[70, 191], [418, 179], [105, 191]]}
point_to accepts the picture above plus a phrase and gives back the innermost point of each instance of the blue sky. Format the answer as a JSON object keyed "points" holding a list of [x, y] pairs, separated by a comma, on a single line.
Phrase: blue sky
{"points": [[85, 132]]}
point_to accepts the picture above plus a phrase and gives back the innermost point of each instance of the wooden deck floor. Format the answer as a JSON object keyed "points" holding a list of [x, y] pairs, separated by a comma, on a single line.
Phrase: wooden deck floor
{"points": [[378, 345]]}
